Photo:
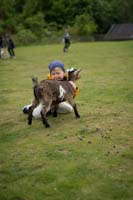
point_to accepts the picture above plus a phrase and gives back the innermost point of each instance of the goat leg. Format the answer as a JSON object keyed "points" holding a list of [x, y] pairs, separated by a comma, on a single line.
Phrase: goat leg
{"points": [[46, 107], [54, 113], [54, 110], [44, 120], [76, 111], [71, 101], [30, 115], [31, 108]]}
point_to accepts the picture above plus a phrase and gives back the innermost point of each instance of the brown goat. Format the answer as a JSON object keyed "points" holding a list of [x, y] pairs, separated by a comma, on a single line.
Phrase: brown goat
{"points": [[50, 93]]}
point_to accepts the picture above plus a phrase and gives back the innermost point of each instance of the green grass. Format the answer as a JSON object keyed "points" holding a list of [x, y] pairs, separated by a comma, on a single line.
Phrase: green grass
{"points": [[90, 158]]}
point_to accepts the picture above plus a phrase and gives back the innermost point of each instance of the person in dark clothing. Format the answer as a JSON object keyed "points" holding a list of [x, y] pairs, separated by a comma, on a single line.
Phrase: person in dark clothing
{"points": [[66, 41], [11, 47]]}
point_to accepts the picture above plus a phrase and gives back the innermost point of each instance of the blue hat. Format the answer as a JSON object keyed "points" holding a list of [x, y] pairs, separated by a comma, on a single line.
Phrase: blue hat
{"points": [[56, 63]]}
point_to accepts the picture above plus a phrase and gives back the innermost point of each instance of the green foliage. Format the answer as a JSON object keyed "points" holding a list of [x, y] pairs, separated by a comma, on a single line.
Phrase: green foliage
{"points": [[6, 9], [124, 10], [7, 17], [1, 26], [36, 15], [30, 8], [102, 13], [36, 24], [25, 37], [84, 26]]}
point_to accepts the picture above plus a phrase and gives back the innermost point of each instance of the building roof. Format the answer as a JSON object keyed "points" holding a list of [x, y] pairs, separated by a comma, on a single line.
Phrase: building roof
{"points": [[120, 32]]}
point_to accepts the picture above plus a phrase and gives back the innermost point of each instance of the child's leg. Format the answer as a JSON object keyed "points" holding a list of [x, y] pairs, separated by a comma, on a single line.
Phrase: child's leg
{"points": [[64, 107], [37, 111]]}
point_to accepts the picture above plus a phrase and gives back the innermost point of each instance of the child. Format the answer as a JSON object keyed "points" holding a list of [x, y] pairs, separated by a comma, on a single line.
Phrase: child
{"points": [[57, 72], [66, 41]]}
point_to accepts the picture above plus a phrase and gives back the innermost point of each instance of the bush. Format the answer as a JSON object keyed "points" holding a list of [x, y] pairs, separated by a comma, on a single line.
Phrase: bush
{"points": [[84, 26], [25, 37], [36, 24]]}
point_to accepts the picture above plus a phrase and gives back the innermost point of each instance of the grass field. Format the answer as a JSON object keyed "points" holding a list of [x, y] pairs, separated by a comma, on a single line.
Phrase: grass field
{"points": [[90, 158]]}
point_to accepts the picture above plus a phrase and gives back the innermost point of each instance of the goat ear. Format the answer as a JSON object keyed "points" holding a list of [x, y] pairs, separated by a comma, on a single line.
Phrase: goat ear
{"points": [[77, 74], [79, 70]]}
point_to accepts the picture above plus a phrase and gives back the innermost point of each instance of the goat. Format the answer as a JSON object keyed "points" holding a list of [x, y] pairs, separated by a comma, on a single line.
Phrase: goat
{"points": [[50, 93]]}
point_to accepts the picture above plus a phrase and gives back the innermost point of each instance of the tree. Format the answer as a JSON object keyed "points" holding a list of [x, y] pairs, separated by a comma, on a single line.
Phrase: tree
{"points": [[36, 24], [84, 25], [122, 11], [7, 17], [91, 15]]}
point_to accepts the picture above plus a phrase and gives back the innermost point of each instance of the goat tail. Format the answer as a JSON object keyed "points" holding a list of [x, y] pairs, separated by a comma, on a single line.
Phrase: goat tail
{"points": [[35, 87], [34, 81]]}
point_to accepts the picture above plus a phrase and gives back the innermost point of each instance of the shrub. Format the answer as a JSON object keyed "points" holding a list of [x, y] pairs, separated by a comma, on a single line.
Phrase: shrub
{"points": [[36, 24], [84, 26], [25, 37]]}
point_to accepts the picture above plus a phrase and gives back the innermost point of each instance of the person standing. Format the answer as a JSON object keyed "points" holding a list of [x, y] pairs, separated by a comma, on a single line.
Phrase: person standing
{"points": [[11, 46], [66, 41]]}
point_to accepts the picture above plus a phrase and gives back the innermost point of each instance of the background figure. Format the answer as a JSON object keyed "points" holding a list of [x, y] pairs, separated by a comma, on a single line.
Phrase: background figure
{"points": [[66, 41], [3, 46], [11, 47]]}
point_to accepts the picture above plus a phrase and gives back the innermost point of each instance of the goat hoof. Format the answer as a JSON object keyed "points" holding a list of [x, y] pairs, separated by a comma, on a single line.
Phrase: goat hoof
{"points": [[47, 126], [78, 116]]}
